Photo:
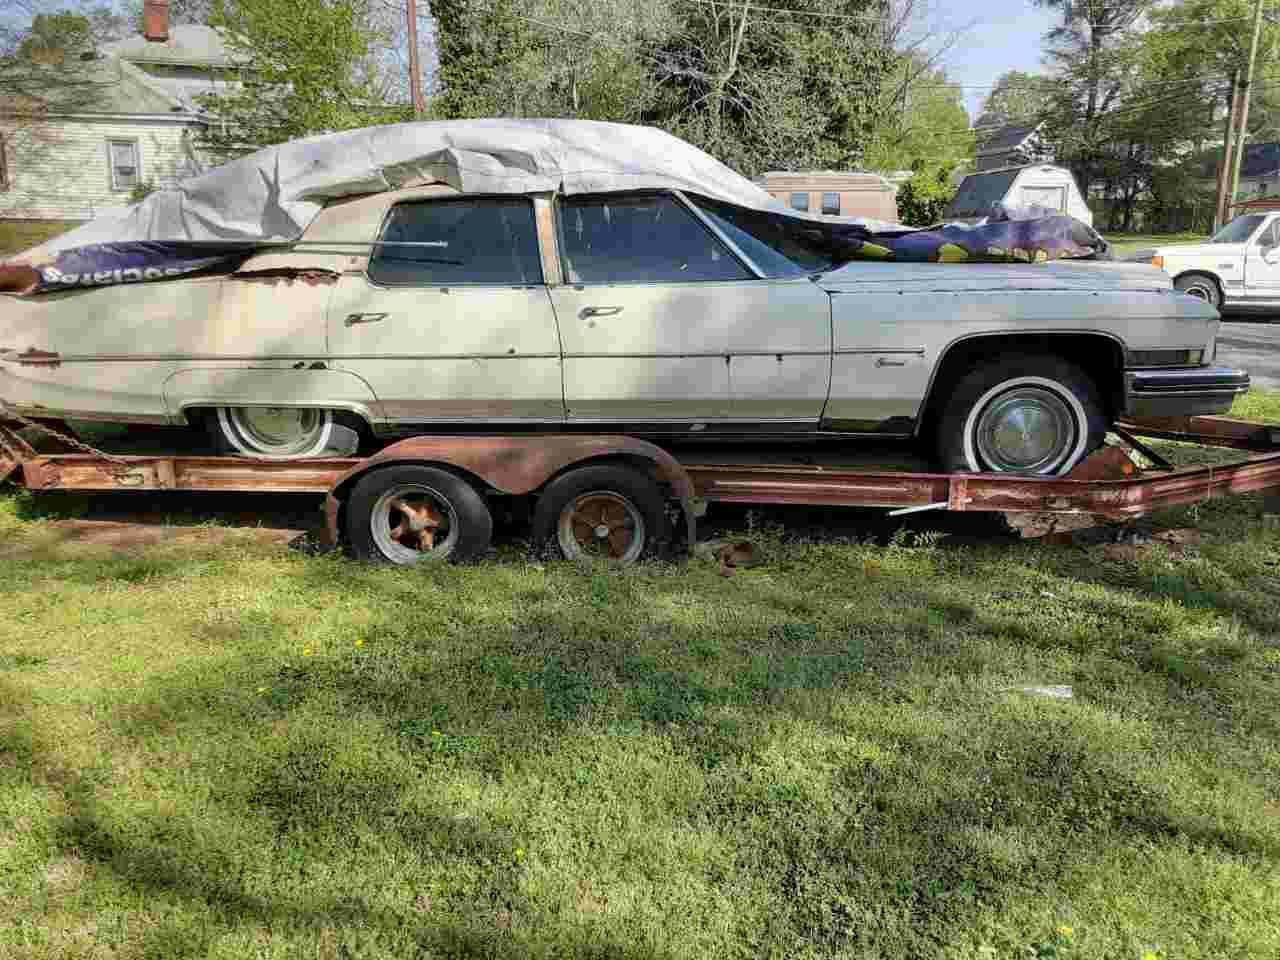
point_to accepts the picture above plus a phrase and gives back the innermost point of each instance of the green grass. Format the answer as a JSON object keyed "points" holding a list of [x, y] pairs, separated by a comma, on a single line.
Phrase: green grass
{"points": [[240, 751], [1129, 242], [18, 235]]}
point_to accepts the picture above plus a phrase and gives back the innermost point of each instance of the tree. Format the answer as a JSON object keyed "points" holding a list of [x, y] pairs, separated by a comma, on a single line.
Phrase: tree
{"points": [[762, 89], [1016, 98], [923, 124], [755, 88], [302, 69], [923, 199], [1094, 52]]}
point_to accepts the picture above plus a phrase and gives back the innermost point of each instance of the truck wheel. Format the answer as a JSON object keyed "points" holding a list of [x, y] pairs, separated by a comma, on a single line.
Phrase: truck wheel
{"points": [[1021, 413], [408, 513], [274, 433], [603, 511], [1201, 285]]}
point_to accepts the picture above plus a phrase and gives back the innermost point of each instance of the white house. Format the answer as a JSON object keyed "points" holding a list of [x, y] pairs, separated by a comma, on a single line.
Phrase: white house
{"points": [[108, 122]]}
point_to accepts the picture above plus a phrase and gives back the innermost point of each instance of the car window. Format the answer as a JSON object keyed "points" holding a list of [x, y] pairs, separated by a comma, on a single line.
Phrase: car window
{"points": [[1238, 230], [480, 240], [779, 246], [640, 239], [1270, 237]]}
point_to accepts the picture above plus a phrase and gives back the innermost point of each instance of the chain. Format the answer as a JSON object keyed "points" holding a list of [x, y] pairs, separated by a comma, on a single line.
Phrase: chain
{"points": [[8, 413]]}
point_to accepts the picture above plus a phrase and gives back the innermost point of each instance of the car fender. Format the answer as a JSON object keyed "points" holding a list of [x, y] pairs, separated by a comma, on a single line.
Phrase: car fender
{"points": [[222, 386]]}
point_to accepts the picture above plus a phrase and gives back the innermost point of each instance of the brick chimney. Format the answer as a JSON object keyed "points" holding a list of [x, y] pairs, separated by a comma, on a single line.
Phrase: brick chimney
{"points": [[155, 20]]}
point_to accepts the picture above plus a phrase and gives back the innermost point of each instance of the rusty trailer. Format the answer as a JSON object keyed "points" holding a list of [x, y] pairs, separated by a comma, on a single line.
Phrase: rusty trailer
{"points": [[607, 494]]}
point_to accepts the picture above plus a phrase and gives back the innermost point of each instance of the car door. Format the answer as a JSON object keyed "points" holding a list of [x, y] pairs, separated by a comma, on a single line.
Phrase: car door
{"points": [[450, 322], [666, 325], [1262, 263]]}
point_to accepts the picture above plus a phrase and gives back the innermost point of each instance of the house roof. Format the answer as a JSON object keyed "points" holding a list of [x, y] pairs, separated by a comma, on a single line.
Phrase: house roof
{"points": [[979, 191], [188, 44], [1006, 139], [105, 85]]}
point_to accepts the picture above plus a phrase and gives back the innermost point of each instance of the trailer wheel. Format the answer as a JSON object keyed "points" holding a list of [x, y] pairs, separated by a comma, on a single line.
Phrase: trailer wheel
{"points": [[1030, 414], [602, 511], [408, 513]]}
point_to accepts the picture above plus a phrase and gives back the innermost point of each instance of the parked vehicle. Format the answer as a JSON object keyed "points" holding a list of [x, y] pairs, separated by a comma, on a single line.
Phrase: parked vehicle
{"points": [[1038, 184], [1238, 268], [660, 312]]}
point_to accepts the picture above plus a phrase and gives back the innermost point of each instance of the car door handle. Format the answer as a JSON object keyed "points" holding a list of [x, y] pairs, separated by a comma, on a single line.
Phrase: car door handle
{"points": [[598, 312], [886, 362], [354, 318]]}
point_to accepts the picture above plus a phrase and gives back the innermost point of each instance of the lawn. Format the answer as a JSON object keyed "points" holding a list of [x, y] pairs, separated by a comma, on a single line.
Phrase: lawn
{"points": [[16, 235], [1125, 243], [235, 750]]}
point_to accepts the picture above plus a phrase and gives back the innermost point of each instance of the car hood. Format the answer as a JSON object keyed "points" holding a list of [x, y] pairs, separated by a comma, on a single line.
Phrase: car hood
{"points": [[1200, 250], [1055, 275]]}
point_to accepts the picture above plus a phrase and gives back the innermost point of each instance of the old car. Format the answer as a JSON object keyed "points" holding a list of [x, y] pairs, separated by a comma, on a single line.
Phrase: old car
{"points": [[1238, 268], [663, 297]]}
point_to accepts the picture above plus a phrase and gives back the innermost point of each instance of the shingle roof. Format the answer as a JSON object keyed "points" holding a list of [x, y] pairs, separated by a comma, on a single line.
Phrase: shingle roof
{"points": [[105, 85], [1006, 138], [980, 190], [187, 44]]}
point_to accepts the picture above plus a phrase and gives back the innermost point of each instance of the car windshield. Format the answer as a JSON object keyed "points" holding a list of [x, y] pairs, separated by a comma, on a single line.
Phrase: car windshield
{"points": [[1239, 230], [779, 246]]}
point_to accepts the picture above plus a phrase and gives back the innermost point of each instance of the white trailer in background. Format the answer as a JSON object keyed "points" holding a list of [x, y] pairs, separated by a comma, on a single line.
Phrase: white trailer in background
{"points": [[1041, 184]]}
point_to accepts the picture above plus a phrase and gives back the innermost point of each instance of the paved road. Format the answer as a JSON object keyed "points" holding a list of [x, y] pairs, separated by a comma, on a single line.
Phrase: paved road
{"points": [[1254, 347]]}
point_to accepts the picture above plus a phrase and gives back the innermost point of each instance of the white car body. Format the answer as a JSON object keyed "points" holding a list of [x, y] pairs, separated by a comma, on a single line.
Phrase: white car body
{"points": [[860, 350], [1244, 274]]}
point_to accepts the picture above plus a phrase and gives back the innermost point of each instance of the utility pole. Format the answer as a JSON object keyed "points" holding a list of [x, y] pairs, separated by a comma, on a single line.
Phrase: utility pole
{"points": [[415, 71], [1246, 86], [1225, 166]]}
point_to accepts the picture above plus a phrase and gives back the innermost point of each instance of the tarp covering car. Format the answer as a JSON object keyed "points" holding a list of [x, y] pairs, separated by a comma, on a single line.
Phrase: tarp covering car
{"points": [[214, 220]]}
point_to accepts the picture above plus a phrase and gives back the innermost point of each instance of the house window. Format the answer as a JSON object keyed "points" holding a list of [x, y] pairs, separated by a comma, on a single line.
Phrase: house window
{"points": [[800, 201], [831, 204], [123, 157], [4, 162]]}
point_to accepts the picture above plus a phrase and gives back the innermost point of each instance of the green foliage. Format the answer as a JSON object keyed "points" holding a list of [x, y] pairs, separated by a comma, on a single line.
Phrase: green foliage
{"points": [[300, 72], [921, 122], [52, 37], [756, 90], [1016, 98], [923, 199], [141, 191]]}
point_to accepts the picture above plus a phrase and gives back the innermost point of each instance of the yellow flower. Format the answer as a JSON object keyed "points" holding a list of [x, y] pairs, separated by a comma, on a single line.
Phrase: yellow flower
{"points": [[306, 651], [1066, 932], [262, 689], [359, 643], [435, 733], [1150, 955], [519, 853]]}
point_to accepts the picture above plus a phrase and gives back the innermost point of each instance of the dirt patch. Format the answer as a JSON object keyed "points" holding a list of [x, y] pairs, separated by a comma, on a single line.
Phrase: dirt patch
{"points": [[126, 536]]}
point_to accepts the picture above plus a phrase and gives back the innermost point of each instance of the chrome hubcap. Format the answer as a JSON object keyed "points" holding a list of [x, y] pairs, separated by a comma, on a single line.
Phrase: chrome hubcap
{"points": [[1026, 430], [276, 431]]}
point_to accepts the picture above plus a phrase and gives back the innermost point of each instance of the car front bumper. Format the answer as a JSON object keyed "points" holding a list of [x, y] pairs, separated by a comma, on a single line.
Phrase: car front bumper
{"points": [[1184, 391]]}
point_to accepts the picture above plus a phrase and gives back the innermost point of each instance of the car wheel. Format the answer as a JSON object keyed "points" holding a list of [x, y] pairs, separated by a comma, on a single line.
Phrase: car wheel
{"points": [[1202, 286], [605, 511], [405, 514], [1021, 413], [275, 433]]}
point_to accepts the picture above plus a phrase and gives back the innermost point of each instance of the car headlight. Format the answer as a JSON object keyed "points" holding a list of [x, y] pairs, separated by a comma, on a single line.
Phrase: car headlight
{"points": [[1164, 358]]}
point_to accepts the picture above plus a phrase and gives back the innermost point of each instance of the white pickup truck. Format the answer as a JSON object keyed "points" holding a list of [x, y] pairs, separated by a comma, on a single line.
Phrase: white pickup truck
{"points": [[1238, 268]]}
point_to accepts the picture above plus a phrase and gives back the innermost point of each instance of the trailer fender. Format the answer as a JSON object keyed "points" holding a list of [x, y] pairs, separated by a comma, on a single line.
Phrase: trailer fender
{"points": [[517, 465]]}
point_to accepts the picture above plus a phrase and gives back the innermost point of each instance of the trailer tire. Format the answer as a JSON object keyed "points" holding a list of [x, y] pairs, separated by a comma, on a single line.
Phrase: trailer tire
{"points": [[1032, 414], [607, 511], [398, 515]]}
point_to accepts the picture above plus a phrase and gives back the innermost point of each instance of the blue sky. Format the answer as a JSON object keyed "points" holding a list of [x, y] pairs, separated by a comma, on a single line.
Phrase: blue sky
{"points": [[1006, 36]]}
